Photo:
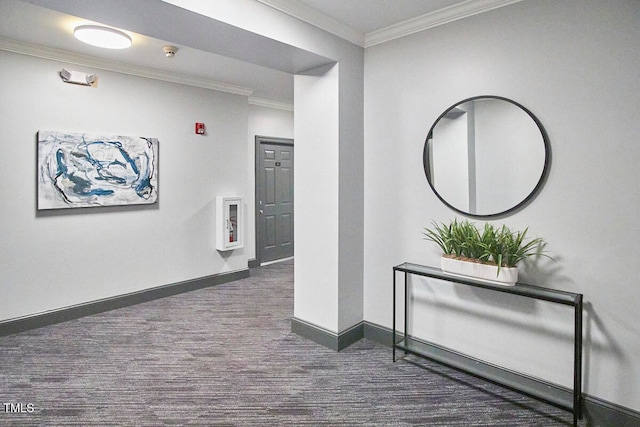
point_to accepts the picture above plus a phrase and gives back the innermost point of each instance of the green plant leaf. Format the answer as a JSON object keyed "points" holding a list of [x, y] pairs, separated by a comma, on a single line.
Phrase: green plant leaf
{"points": [[500, 246]]}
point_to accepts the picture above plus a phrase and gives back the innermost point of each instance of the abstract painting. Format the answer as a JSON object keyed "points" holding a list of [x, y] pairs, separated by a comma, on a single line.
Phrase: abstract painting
{"points": [[84, 170]]}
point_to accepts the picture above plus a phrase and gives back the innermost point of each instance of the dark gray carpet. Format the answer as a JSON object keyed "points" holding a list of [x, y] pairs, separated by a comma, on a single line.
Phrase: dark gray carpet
{"points": [[225, 356]]}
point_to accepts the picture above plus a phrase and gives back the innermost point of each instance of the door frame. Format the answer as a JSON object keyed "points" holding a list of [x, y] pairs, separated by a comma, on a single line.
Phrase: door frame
{"points": [[261, 139]]}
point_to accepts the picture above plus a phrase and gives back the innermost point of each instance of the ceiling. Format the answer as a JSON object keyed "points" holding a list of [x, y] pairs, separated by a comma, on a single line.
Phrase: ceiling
{"points": [[44, 28], [367, 16]]}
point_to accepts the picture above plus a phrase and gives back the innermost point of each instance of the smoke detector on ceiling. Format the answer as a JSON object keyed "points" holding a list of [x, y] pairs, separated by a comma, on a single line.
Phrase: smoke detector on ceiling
{"points": [[169, 51]]}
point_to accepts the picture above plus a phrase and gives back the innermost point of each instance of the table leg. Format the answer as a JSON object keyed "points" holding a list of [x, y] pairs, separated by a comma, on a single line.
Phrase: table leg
{"points": [[577, 363], [406, 310], [393, 331]]}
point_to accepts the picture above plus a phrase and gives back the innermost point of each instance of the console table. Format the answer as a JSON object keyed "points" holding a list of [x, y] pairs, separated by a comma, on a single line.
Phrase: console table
{"points": [[443, 355]]}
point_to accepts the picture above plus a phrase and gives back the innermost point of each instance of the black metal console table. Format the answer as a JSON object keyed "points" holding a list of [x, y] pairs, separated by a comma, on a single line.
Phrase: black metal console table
{"points": [[426, 350]]}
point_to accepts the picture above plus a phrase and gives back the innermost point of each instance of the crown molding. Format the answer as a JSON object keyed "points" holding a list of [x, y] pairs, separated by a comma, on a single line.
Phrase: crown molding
{"points": [[119, 67], [420, 23], [261, 102], [434, 19], [317, 19]]}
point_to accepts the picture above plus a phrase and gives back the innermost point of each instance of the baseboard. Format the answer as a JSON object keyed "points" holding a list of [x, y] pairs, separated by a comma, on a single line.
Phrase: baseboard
{"points": [[275, 261], [325, 337], [21, 324], [254, 263], [597, 412]]}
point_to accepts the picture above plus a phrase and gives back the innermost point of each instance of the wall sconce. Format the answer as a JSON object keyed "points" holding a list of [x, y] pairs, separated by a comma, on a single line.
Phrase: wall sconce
{"points": [[99, 36], [77, 77]]}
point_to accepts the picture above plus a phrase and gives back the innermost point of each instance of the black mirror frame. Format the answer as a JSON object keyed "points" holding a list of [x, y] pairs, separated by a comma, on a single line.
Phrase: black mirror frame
{"points": [[529, 197]]}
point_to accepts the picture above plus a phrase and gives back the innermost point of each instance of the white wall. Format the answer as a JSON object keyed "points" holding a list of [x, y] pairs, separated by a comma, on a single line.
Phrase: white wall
{"points": [[263, 121], [316, 285], [57, 259], [267, 121], [574, 65]]}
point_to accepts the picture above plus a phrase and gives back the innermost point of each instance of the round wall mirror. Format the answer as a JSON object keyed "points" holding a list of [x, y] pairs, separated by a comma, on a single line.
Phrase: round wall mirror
{"points": [[486, 156]]}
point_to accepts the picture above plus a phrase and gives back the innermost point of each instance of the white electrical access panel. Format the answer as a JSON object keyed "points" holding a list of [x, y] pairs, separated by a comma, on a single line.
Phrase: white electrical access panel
{"points": [[229, 223]]}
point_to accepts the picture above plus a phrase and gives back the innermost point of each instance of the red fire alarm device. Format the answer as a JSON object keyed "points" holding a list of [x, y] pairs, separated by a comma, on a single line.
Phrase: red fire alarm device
{"points": [[200, 128]]}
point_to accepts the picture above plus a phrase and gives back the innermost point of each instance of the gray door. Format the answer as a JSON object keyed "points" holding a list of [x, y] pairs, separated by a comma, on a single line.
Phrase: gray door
{"points": [[274, 198]]}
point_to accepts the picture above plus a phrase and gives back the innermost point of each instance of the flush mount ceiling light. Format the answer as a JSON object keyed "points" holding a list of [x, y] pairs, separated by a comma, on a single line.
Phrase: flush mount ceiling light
{"points": [[106, 37]]}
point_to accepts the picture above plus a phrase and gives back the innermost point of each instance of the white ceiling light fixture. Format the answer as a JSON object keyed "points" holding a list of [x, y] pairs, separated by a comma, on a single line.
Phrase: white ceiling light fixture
{"points": [[106, 37]]}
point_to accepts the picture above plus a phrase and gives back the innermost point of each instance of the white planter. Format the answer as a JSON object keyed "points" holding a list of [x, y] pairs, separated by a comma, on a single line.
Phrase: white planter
{"points": [[508, 276]]}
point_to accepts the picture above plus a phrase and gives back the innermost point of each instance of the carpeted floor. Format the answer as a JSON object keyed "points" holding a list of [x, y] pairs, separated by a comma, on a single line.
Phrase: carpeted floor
{"points": [[225, 356]]}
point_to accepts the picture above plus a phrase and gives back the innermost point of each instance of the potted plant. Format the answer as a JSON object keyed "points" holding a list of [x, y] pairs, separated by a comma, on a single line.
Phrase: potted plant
{"points": [[489, 254]]}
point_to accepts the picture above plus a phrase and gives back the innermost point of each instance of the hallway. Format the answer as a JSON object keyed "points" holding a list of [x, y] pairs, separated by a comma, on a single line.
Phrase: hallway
{"points": [[225, 356]]}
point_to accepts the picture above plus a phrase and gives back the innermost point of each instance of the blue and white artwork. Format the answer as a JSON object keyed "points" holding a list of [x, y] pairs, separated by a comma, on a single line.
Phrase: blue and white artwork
{"points": [[83, 170]]}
